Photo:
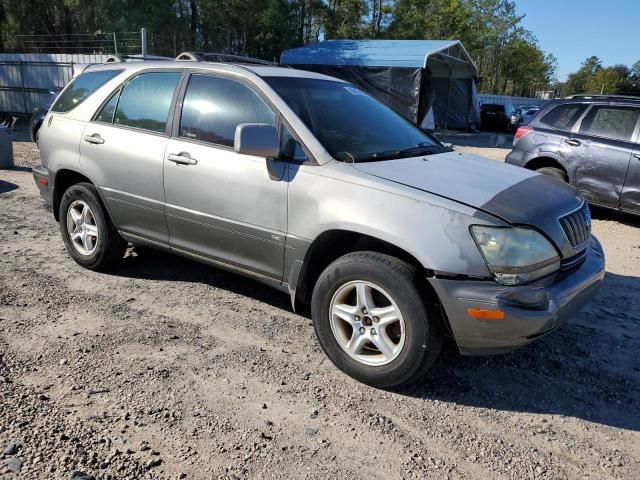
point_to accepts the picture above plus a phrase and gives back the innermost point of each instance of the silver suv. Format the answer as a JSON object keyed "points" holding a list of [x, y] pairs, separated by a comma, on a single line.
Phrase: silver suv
{"points": [[391, 240]]}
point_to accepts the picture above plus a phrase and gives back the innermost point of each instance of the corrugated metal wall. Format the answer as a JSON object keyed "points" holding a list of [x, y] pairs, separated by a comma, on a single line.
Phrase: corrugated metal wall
{"points": [[25, 79], [515, 101]]}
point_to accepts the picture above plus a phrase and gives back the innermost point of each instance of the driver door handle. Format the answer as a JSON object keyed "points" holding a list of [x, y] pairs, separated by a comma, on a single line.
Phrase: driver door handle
{"points": [[182, 158], [637, 155], [573, 142], [95, 139]]}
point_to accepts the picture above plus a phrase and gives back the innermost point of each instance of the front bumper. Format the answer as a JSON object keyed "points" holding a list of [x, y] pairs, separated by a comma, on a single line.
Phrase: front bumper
{"points": [[42, 177], [530, 311]]}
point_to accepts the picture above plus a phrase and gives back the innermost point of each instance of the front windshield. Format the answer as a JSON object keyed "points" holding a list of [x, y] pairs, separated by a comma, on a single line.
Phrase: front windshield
{"points": [[350, 124]]}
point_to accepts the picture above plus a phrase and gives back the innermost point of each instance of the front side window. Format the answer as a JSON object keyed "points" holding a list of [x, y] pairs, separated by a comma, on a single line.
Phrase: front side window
{"points": [[145, 101], [563, 117], [215, 106], [610, 122], [351, 125], [80, 88], [290, 147]]}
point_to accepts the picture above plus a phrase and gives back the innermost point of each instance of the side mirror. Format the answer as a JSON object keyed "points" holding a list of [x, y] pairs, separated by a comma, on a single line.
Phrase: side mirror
{"points": [[257, 139]]}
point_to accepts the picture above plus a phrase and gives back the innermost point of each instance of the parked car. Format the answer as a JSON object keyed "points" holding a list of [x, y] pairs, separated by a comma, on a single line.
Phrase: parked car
{"points": [[495, 116], [522, 116], [591, 142], [308, 184]]}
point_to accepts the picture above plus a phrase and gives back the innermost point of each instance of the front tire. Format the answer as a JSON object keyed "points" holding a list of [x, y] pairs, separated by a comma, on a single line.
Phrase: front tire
{"points": [[372, 321], [89, 236], [554, 172]]}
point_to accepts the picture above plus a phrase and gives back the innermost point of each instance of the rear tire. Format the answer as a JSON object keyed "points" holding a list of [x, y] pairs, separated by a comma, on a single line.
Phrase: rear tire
{"points": [[89, 236], [553, 172], [390, 343]]}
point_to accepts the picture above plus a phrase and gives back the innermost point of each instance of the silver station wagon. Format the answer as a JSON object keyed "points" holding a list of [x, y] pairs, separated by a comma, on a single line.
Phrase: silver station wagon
{"points": [[389, 239]]}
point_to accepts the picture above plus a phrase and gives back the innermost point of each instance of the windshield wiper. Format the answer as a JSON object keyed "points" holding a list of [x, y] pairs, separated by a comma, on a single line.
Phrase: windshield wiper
{"points": [[421, 149]]}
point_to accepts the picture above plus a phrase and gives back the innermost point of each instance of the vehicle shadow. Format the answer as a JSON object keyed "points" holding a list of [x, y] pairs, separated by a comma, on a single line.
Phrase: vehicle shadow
{"points": [[588, 369], [600, 213], [7, 186], [146, 263]]}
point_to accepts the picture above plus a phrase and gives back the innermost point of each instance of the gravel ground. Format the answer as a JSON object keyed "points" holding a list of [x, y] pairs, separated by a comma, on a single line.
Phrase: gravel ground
{"points": [[167, 369]]}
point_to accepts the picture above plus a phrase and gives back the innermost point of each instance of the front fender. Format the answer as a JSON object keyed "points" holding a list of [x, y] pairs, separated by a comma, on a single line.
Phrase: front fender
{"points": [[432, 229]]}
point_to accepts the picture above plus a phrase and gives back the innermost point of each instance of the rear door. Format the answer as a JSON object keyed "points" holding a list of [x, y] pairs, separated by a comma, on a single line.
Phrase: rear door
{"points": [[553, 135], [630, 198], [606, 131], [123, 148], [227, 207]]}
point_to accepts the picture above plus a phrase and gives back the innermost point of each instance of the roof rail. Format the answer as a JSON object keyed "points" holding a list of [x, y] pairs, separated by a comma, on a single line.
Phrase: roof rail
{"points": [[220, 58], [603, 97], [133, 58], [114, 59], [189, 57]]}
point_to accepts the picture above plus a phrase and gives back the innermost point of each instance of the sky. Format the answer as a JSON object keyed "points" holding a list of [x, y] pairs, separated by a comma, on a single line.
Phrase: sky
{"points": [[576, 29]]}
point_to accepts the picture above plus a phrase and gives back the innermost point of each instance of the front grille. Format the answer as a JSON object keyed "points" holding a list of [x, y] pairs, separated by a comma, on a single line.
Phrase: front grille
{"points": [[577, 226]]}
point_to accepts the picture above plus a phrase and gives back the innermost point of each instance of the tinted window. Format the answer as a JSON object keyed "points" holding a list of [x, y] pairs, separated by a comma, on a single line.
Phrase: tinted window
{"points": [[215, 106], [109, 108], [145, 101], [563, 117], [290, 147], [611, 122], [80, 88], [350, 124]]}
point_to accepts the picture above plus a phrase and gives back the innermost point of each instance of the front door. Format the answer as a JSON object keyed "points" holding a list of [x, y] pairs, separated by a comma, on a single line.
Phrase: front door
{"points": [[123, 149], [226, 207], [606, 132]]}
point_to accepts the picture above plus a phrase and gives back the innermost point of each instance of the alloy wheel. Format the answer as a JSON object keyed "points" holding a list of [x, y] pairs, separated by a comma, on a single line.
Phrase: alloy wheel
{"points": [[367, 323]]}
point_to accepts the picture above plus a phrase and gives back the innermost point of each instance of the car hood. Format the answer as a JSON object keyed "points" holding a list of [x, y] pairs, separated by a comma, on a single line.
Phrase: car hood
{"points": [[514, 194]]}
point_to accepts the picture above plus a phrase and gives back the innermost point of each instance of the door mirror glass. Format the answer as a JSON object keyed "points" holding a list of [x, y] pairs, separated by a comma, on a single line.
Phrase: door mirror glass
{"points": [[257, 139]]}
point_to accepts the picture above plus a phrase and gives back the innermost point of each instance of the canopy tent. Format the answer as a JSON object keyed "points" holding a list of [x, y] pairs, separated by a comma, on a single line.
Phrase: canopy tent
{"points": [[409, 75]]}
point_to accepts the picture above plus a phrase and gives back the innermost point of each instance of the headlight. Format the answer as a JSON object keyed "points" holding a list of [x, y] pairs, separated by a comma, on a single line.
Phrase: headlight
{"points": [[516, 255]]}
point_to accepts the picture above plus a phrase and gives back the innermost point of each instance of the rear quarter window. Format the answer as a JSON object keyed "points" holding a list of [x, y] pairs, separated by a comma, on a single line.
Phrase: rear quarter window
{"points": [[563, 117], [81, 88]]}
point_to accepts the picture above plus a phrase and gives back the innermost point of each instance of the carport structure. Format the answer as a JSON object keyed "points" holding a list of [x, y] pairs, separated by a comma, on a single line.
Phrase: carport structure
{"points": [[408, 75]]}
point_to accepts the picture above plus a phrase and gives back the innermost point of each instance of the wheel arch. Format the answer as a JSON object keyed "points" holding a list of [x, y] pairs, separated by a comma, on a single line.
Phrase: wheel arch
{"points": [[331, 245], [545, 159], [63, 179]]}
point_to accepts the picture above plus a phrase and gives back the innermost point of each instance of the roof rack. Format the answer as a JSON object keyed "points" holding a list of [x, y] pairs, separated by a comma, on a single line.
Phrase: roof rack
{"points": [[114, 59], [133, 58], [220, 58], [603, 97]]}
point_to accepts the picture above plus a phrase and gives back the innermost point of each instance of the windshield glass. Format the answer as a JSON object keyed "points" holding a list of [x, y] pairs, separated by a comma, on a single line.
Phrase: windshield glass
{"points": [[350, 124]]}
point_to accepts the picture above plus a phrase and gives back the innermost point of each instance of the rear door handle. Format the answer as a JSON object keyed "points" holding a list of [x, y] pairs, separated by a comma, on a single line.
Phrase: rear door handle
{"points": [[95, 138], [573, 142], [182, 158]]}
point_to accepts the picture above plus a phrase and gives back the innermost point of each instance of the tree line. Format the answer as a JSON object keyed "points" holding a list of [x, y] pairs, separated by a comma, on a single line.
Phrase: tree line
{"points": [[593, 78], [508, 57]]}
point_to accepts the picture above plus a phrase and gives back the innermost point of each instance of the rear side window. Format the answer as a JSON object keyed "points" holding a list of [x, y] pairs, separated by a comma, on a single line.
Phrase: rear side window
{"points": [[80, 88], [611, 122], [145, 101], [106, 114], [563, 117], [215, 106]]}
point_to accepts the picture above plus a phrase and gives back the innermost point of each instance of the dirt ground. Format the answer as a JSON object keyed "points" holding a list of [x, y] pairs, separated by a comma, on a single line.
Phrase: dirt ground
{"points": [[166, 369]]}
